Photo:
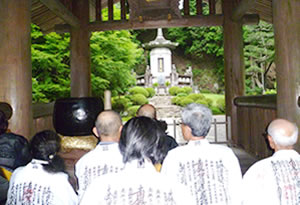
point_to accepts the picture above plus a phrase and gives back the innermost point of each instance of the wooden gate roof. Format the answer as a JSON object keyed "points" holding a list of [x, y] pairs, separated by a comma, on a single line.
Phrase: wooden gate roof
{"points": [[48, 13]]}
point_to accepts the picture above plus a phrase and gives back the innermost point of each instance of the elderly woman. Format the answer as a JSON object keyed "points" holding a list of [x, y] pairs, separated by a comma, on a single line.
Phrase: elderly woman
{"points": [[141, 143], [43, 180]]}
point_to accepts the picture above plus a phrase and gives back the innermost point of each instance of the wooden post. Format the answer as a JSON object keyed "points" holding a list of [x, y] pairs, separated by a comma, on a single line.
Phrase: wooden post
{"points": [[98, 10], [123, 9], [15, 64], [80, 52], [110, 5], [212, 7], [199, 7], [233, 63], [286, 20], [186, 7]]}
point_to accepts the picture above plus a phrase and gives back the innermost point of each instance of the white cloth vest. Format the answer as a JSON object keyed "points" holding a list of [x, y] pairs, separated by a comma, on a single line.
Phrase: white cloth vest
{"points": [[211, 172], [32, 185], [274, 180], [104, 159], [136, 184]]}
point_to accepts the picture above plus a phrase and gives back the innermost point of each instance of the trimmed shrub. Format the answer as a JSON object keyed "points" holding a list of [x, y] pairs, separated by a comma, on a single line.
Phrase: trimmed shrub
{"points": [[139, 99], [216, 111], [205, 91], [174, 90], [221, 104], [138, 90], [202, 101], [196, 97], [120, 103], [209, 102], [132, 110], [151, 92], [181, 95], [176, 100], [184, 101], [186, 90]]}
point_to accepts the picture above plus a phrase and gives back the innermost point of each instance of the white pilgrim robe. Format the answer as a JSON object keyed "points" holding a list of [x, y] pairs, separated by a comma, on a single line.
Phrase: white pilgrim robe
{"points": [[138, 184], [274, 180], [211, 172], [105, 158], [33, 185]]}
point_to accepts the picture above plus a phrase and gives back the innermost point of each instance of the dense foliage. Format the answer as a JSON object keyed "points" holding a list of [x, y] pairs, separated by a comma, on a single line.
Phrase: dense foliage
{"points": [[113, 55]]}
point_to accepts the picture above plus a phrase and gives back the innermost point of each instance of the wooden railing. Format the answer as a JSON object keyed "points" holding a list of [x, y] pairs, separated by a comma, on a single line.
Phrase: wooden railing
{"points": [[125, 8], [254, 113]]}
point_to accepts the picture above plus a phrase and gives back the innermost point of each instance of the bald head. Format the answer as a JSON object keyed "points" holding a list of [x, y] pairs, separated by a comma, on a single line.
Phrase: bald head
{"points": [[147, 110], [108, 124], [283, 132]]}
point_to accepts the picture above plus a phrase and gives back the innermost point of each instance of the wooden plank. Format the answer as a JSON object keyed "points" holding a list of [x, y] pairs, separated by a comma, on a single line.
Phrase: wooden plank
{"points": [[61, 11], [110, 5], [186, 7], [98, 10], [261, 101], [199, 7], [212, 7], [242, 8], [123, 9]]}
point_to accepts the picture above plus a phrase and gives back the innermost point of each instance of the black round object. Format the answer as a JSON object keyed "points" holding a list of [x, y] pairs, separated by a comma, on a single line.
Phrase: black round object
{"points": [[76, 116]]}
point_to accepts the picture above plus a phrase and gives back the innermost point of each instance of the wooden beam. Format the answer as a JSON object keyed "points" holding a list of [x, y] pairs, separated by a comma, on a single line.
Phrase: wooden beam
{"points": [[216, 20], [250, 19], [241, 9], [61, 11]]}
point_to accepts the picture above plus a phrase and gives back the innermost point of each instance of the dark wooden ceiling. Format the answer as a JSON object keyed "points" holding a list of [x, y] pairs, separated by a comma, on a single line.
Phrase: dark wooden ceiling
{"points": [[42, 16]]}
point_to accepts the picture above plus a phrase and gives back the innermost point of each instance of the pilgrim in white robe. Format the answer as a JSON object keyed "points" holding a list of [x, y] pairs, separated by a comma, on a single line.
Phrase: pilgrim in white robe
{"points": [[105, 158], [136, 184], [211, 172], [33, 185], [274, 180]]}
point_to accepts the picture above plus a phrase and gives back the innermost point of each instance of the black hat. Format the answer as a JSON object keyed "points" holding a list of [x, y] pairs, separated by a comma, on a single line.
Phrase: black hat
{"points": [[6, 109]]}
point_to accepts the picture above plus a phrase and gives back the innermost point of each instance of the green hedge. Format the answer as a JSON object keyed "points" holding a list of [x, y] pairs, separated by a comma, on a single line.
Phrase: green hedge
{"points": [[138, 99], [139, 90], [196, 96], [131, 111], [185, 101], [120, 103], [174, 90], [151, 92]]}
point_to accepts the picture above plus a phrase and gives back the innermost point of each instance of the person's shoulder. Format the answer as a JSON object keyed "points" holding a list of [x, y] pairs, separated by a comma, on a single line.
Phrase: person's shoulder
{"points": [[260, 166]]}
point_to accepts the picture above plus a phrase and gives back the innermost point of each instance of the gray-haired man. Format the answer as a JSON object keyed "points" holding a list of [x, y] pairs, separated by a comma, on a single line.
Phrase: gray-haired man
{"points": [[211, 172]]}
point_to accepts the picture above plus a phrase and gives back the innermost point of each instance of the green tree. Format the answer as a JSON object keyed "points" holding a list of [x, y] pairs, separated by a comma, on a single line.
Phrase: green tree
{"points": [[259, 55], [50, 65], [113, 55]]}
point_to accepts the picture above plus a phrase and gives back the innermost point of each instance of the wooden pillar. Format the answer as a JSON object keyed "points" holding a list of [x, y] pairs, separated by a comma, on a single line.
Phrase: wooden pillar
{"points": [[233, 63], [286, 20], [15, 63], [80, 52]]}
